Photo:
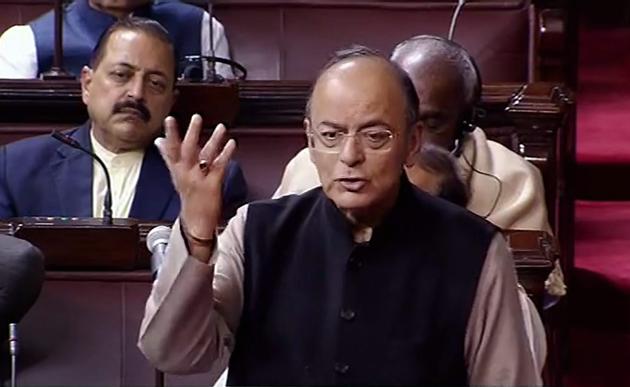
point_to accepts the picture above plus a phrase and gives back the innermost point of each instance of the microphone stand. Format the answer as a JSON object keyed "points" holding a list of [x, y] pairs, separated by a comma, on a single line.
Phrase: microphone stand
{"points": [[107, 202], [212, 66], [13, 352], [159, 378], [57, 71], [458, 9]]}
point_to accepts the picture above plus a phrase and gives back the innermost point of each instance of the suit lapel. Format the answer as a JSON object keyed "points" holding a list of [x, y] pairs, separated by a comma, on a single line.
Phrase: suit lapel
{"points": [[73, 175], [154, 190]]}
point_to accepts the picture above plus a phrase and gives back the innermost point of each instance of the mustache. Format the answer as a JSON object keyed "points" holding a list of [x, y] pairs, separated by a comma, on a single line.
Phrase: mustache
{"points": [[145, 115]]}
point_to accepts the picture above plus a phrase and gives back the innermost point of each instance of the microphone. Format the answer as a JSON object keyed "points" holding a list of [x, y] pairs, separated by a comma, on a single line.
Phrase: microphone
{"points": [[458, 9], [201, 67], [197, 68], [13, 351], [193, 71], [107, 202], [212, 70], [157, 240]]}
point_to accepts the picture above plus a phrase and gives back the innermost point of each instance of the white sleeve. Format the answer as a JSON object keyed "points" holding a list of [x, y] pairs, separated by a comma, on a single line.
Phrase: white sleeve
{"points": [[534, 328], [18, 53], [497, 346], [194, 309], [220, 44]]}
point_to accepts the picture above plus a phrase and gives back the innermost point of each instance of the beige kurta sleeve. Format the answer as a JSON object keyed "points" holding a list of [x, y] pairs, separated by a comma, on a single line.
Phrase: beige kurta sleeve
{"points": [[497, 349], [300, 175], [194, 308], [505, 188], [522, 202]]}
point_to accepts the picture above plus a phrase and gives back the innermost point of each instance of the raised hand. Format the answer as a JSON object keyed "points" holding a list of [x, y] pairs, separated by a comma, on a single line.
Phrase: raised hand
{"points": [[197, 174]]}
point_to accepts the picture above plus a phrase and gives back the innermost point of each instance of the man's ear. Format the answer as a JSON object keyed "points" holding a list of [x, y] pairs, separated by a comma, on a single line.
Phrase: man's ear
{"points": [[86, 80], [413, 144]]}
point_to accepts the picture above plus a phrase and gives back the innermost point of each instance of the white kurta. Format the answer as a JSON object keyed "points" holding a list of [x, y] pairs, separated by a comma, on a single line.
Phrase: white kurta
{"points": [[124, 172], [520, 197], [18, 52]]}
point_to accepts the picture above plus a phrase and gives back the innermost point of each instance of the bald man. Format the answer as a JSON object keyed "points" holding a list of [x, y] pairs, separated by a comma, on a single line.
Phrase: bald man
{"points": [[358, 282], [504, 188]]}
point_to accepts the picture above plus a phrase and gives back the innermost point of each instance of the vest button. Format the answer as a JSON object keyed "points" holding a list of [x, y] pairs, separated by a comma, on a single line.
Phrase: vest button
{"points": [[341, 368], [347, 314]]}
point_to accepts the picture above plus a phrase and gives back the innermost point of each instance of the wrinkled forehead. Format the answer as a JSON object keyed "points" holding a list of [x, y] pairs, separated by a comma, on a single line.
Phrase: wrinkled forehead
{"points": [[357, 89], [139, 48]]}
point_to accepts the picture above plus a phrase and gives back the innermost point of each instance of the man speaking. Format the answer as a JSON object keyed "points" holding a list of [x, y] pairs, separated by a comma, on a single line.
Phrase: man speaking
{"points": [[363, 281]]}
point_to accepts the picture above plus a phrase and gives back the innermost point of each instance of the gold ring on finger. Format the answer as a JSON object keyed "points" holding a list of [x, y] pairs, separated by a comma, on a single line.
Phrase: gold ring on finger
{"points": [[203, 165]]}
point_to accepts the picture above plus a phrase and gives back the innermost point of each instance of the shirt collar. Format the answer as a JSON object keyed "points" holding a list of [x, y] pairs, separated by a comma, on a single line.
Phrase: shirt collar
{"points": [[108, 156], [390, 222]]}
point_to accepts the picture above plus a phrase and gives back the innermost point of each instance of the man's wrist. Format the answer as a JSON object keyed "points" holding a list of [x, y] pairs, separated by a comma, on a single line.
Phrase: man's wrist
{"points": [[199, 247], [197, 240]]}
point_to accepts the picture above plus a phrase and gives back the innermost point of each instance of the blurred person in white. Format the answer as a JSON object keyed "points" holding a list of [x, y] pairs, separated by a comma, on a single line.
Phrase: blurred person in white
{"points": [[26, 51]]}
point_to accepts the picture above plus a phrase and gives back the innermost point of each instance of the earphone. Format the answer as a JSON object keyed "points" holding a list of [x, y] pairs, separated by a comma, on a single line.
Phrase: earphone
{"points": [[468, 123], [468, 119]]}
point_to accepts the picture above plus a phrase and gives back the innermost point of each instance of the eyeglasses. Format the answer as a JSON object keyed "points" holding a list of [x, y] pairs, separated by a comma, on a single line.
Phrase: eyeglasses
{"points": [[332, 140]]}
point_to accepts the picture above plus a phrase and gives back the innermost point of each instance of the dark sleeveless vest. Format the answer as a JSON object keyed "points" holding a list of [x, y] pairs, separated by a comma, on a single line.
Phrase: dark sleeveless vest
{"points": [[83, 27], [320, 309]]}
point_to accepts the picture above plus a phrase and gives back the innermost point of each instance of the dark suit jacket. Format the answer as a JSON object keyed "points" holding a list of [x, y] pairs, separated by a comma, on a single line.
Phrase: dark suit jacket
{"points": [[40, 176]]}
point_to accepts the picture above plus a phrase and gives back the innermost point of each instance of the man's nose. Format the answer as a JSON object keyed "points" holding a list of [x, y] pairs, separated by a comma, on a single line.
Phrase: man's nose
{"points": [[351, 151], [136, 88]]}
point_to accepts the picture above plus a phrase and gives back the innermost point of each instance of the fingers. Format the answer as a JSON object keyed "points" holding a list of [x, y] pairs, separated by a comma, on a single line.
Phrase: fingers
{"points": [[216, 150], [169, 147], [214, 145], [190, 145], [225, 156]]}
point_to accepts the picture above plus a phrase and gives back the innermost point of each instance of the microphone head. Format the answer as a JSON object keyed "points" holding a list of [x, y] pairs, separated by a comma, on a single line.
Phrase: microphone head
{"points": [[157, 236], [193, 73], [12, 331], [13, 339], [21, 279]]}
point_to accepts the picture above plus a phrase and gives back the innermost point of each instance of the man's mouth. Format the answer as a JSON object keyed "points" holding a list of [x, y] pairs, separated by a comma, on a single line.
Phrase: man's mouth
{"points": [[352, 184], [133, 112]]}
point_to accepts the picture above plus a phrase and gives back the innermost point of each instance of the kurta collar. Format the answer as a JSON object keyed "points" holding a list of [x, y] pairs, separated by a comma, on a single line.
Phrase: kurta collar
{"points": [[338, 222]]}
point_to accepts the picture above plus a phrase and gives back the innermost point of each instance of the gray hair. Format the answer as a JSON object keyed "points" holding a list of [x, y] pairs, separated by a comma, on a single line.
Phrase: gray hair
{"points": [[357, 51], [437, 47]]}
